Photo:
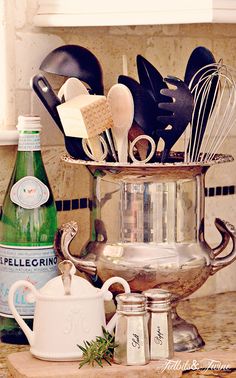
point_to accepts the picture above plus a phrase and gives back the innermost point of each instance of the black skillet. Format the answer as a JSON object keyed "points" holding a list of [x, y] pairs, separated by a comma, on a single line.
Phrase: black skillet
{"points": [[75, 61]]}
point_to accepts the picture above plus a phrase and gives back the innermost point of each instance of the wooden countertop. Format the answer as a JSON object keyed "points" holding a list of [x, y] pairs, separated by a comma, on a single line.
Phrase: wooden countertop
{"points": [[215, 318]]}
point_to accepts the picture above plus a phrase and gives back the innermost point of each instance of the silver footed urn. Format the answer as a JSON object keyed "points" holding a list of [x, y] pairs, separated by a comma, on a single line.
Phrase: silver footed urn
{"points": [[147, 224]]}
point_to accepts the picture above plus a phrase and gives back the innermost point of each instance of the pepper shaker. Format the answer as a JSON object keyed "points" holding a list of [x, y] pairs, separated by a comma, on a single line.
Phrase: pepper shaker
{"points": [[160, 323], [131, 330]]}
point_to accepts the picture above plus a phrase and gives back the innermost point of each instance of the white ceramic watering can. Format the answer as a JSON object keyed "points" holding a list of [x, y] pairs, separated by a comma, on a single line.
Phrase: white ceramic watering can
{"points": [[65, 318]]}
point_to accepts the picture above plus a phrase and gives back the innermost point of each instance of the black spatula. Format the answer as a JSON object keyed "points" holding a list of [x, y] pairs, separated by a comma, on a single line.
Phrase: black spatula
{"points": [[151, 79], [145, 109]]}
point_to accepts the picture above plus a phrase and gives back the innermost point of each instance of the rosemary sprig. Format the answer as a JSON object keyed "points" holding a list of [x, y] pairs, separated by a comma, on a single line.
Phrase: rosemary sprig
{"points": [[98, 350]]}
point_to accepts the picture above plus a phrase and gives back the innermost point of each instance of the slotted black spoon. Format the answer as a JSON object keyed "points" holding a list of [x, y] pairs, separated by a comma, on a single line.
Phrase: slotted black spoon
{"points": [[181, 107]]}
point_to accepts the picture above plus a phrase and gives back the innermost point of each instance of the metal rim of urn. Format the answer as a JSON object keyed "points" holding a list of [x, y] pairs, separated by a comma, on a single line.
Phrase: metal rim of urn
{"points": [[176, 168], [176, 160]]}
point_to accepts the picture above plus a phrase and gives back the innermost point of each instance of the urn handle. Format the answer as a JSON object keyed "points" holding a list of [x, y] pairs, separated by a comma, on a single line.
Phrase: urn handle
{"points": [[64, 235], [228, 232]]}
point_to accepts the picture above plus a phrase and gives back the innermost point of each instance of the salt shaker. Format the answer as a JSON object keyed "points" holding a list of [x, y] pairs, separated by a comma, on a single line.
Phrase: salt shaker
{"points": [[160, 323], [131, 330]]}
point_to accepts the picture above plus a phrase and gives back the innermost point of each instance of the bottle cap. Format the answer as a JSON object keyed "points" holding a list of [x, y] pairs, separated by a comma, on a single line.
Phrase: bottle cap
{"points": [[157, 295], [157, 298], [29, 122], [131, 302]]}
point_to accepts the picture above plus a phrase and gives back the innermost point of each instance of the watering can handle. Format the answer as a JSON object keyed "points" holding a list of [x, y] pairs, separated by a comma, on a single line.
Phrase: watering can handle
{"points": [[28, 332], [112, 323], [228, 232]]}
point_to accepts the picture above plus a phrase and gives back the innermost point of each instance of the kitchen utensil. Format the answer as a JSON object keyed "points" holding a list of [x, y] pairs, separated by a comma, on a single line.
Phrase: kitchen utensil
{"points": [[196, 76], [74, 87], [181, 108], [141, 145], [145, 109], [155, 237], [71, 88], [121, 104], [86, 116], [75, 61], [151, 79], [45, 93], [86, 143], [214, 111], [199, 58], [133, 144], [65, 268], [61, 322]]}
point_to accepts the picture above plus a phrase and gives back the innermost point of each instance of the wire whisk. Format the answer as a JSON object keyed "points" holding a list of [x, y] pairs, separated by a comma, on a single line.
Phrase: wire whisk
{"points": [[214, 91]]}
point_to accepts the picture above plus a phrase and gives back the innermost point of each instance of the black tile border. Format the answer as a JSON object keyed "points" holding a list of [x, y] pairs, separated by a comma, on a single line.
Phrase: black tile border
{"points": [[73, 204], [59, 205], [66, 205], [220, 190]]}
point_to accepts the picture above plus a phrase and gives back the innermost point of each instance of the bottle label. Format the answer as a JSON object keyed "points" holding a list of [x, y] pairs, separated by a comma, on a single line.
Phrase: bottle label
{"points": [[29, 141], [29, 192], [36, 265]]}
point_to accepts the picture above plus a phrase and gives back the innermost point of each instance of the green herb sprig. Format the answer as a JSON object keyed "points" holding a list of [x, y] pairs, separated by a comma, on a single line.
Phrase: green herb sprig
{"points": [[98, 350]]}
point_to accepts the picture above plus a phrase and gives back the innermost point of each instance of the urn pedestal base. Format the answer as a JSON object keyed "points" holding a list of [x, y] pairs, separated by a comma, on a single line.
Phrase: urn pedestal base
{"points": [[186, 336]]}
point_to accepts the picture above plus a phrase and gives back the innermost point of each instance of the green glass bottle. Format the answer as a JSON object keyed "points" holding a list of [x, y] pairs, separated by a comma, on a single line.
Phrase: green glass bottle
{"points": [[28, 224]]}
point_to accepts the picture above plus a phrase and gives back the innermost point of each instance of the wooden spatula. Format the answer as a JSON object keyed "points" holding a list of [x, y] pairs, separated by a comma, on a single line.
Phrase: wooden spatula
{"points": [[121, 104]]}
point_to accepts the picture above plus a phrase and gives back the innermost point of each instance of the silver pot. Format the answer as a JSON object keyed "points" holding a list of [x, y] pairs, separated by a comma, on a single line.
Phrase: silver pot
{"points": [[148, 228]]}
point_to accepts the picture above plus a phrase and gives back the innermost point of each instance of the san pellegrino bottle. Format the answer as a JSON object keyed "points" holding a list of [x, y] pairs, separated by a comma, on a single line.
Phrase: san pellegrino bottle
{"points": [[28, 224]]}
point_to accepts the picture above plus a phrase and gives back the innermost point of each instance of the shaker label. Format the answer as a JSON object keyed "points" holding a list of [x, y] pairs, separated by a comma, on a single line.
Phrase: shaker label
{"points": [[36, 265], [29, 192], [29, 142], [159, 336], [136, 341]]}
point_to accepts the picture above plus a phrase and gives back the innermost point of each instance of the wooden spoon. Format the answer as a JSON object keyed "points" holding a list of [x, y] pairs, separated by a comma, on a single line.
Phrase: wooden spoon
{"points": [[121, 103]]}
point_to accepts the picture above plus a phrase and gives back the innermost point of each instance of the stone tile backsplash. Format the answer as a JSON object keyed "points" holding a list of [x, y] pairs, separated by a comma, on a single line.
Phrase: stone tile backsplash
{"points": [[168, 48]]}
